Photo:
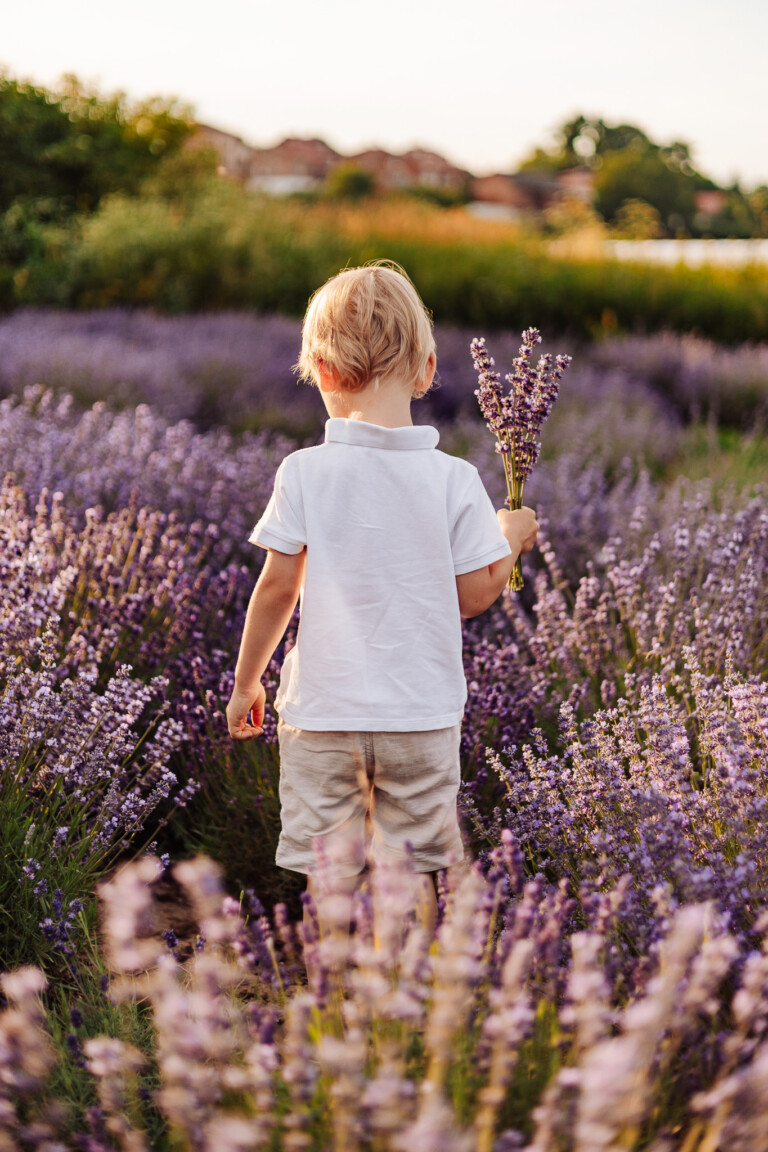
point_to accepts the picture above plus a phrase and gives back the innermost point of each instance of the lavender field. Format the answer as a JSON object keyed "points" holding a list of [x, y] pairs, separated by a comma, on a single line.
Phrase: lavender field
{"points": [[599, 974]]}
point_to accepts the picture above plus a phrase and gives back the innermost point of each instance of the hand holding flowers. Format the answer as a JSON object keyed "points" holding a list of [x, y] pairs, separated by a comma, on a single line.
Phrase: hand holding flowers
{"points": [[516, 417]]}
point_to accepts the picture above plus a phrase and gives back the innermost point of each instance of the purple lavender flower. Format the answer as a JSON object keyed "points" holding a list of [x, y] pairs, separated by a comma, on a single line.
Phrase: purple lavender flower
{"points": [[517, 416]]}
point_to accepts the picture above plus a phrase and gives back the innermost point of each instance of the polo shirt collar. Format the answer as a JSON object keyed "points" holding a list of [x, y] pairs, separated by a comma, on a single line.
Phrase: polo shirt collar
{"points": [[343, 431]]}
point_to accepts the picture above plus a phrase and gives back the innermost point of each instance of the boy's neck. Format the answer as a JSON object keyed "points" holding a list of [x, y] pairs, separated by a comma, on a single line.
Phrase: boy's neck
{"points": [[389, 405]]}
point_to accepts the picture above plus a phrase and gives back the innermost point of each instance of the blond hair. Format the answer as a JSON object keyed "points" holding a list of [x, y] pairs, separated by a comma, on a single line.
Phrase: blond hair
{"points": [[367, 324]]}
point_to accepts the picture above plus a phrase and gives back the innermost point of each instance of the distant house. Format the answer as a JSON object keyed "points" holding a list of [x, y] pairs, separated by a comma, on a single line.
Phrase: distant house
{"points": [[417, 168], [710, 202], [430, 170], [502, 190], [234, 154], [292, 166], [297, 165], [388, 171], [577, 183], [528, 192]]}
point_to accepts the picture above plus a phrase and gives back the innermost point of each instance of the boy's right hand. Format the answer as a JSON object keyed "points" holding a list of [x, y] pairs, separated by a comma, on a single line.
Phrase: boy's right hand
{"points": [[245, 713], [520, 528]]}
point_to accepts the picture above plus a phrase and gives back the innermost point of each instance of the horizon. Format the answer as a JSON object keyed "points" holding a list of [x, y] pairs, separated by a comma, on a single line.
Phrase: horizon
{"points": [[421, 147], [482, 86]]}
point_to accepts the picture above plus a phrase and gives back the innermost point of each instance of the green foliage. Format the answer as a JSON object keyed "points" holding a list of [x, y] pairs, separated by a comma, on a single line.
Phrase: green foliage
{"points": [[758, 203], [74, 146], [235, 817], [741, 217], [69, 1082], [642, 173], [629, 166], [570, 214], [585, 140], [637, 220], [729, 459], [225, 248], [443, 197], [348, 182], [218, 249]]}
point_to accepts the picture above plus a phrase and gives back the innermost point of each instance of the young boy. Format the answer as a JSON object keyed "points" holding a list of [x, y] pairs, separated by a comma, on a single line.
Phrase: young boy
{"points": [[389, 542]]}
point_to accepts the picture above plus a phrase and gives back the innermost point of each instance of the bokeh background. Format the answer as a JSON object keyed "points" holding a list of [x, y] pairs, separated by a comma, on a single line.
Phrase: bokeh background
{"points": [[175, 181]]}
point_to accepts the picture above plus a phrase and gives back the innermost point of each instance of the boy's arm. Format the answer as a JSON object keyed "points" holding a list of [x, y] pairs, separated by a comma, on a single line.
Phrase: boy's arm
{"points": [[478, 590], [271, 607]]}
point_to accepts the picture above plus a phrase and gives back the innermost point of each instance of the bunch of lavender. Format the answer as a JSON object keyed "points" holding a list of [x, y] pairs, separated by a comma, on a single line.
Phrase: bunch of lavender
{"points": [[516, 417]]}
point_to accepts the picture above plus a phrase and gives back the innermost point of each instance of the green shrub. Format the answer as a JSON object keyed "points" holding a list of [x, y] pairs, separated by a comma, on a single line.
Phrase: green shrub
{"points": [[224, 248]]}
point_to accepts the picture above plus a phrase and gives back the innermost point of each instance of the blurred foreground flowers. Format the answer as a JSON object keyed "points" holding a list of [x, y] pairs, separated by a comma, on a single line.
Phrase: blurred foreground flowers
{"points": [[508, 1030]]}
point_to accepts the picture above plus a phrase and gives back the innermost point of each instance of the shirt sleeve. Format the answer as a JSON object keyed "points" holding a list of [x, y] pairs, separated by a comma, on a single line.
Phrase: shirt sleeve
{"points": [[282, 525], [476, 536]]}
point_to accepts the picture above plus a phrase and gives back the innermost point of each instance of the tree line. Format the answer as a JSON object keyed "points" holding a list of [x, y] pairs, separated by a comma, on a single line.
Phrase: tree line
{"points": [[650, 187]]}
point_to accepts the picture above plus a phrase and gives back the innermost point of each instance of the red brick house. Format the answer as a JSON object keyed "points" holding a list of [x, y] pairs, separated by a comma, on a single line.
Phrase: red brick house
{"points": [[503, 190], [296, 165], [530, 191], [234, 154], [418, 167], [292, 166]]}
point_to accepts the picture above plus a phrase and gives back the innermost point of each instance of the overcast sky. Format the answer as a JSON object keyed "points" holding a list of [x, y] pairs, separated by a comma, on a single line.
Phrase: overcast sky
{"points": [[481, 81]]}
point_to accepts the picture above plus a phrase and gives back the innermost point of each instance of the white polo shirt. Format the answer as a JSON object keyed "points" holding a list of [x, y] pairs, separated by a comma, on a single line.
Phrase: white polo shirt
{"points": [[388, 522]]}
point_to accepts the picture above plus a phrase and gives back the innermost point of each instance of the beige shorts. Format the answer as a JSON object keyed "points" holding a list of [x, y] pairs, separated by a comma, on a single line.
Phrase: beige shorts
{"points": [[384, 793]]}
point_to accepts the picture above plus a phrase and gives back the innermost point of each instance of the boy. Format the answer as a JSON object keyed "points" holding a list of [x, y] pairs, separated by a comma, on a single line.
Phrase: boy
{"points": [[389, 542]]}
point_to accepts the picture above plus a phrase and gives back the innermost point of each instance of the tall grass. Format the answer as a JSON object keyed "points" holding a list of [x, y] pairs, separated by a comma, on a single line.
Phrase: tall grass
{"points": [[224, 248]]}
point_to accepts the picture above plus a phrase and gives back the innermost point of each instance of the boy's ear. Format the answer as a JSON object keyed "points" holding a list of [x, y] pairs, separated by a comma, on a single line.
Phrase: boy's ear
{"points": [[326, 378], [428, 376]]}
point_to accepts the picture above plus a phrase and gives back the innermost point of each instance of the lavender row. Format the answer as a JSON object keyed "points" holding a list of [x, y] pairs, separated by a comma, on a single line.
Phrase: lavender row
{"points": [[669, 580], [615, 747], [231, 369], [209, 482], [234, 369], [701, 379], [511, 1030], [115, 458]]}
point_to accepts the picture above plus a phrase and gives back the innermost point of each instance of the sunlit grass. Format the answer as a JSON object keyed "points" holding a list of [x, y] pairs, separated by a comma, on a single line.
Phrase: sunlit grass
{"points": [[724, 456]]}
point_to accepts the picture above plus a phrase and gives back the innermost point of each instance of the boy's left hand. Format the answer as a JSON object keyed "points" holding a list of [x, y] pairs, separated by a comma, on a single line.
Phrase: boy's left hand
{"points": [[238, 719]]}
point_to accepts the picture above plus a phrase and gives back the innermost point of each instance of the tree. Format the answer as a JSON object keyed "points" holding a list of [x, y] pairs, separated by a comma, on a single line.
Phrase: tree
{"points": [[72, 147], [628, 166], [583, 141], [637, 173], [348, 182], [758, 202], [637, 220]]}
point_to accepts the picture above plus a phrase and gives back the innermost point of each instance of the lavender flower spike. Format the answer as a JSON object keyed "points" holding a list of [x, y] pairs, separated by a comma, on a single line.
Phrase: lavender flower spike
{"points": [[516, 417]]}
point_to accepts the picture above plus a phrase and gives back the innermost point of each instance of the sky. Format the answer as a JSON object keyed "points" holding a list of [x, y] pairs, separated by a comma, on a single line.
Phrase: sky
{"points": [[482, 81]]}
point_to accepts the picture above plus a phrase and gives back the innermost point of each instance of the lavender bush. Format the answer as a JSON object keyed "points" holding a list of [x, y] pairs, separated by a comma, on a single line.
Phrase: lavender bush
{"points": [[226, 369], [598, 976], [234, 368], [394, 1043], [85, 746], [94, 610], [702, 379], [207, 484]]}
